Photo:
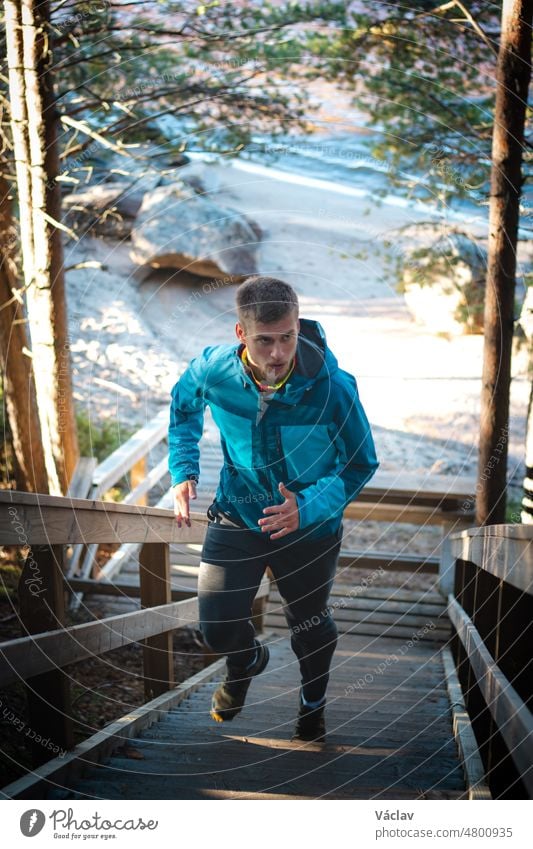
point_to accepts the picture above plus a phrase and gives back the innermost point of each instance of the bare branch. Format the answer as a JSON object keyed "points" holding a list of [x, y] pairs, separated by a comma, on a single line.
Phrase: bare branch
{"points": [[468, 16]]}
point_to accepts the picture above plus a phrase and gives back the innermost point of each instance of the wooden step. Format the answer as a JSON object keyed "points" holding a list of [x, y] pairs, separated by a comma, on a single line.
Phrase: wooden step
{"points": [[394, 741], [388, 560]]}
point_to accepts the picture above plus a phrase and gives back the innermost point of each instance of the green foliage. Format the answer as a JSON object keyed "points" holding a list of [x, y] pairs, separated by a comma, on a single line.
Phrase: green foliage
{"points": [[118, 71], [512, 511], [421, 74], [424, 78], [9, 575], [99, 440], [429, 255], [94, 440]]}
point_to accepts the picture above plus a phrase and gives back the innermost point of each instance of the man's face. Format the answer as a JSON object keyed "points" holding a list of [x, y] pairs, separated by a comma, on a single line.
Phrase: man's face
{"points": [[270, 347]]}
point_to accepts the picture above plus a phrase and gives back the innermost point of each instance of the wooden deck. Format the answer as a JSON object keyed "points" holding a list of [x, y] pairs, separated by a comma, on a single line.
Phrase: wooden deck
{"points": [[389, 737]]}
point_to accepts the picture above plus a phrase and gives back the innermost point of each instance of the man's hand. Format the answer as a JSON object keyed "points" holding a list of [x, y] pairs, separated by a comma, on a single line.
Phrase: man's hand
{"points": [[183, 492], [283, 518]]}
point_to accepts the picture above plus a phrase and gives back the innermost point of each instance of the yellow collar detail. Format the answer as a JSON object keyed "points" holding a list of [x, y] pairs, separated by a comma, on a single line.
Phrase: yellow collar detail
{"points": [[260, 384]]}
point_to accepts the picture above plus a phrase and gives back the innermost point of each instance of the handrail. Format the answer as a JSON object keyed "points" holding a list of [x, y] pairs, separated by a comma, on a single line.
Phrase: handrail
{"points": [[389, 497], [130, 452], [416, 499], [47, 524], [491, 610], [130, 457], [505, 551], [26, 657], [57, 520], [511, 716]]}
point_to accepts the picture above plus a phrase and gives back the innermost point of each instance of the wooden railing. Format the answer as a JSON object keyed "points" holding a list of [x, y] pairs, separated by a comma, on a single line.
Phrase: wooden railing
{"points": [[93, 480], [46, 524], [491, 610], [448, 501]]}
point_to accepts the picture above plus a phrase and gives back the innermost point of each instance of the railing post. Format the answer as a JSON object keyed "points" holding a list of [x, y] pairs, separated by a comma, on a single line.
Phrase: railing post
{"points": [[446, 563], [41, 592], [158, 660], [457, 591]]}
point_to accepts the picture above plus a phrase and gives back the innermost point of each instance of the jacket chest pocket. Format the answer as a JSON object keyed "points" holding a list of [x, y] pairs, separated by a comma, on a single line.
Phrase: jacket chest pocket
{"points": [[309, 451]]}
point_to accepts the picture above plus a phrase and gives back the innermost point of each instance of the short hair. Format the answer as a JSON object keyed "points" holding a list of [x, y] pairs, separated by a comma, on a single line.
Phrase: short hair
{"points": [[265, 299]]}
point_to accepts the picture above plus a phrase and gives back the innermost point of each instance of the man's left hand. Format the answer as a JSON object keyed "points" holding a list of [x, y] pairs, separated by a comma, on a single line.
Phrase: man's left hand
{"points": [[283, 518]]}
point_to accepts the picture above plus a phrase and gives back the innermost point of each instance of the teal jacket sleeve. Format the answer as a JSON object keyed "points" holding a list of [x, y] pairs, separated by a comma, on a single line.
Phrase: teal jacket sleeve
{"points": [[187, 421], [356, 461]]}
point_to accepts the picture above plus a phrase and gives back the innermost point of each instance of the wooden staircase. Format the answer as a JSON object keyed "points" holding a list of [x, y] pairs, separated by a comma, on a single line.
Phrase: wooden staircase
{"points": [[389, 737], [397, 723]]}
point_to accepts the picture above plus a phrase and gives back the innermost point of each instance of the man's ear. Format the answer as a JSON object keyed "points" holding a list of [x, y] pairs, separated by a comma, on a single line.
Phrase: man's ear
{"points": [[239, 330]]}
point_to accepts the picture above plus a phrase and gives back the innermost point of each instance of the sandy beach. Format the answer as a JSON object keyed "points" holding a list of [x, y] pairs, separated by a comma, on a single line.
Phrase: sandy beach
{"points": [[130, 340]]}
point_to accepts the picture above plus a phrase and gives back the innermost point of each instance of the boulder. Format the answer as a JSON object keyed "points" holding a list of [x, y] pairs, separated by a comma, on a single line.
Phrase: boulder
{"points": [[200, 176], [443, 280], [204, 179], [177, 228], [107, 209]]}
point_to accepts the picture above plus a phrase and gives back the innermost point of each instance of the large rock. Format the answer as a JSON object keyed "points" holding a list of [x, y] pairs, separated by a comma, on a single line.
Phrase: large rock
{"points": [[204, 179], [443, 280], [176, 228], [107, 209], [200, 176]]}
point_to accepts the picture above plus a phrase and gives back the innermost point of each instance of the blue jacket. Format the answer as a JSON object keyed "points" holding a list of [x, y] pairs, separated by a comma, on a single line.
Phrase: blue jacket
{"points": [[313, 434]]}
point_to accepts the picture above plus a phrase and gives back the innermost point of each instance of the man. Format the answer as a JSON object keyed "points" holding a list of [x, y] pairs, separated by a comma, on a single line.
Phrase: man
{"points": [[297, 448]]}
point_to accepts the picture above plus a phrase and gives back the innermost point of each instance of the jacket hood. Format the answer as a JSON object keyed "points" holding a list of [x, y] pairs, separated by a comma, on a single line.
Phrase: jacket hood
{"points": [[314, 360]]}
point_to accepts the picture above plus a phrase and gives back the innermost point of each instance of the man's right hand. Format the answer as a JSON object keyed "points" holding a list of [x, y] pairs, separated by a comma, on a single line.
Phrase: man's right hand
{"points": [[183, 492]]}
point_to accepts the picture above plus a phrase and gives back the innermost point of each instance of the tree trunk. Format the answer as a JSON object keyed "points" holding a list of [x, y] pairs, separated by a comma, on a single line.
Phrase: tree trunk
{"points": [[513, 76], [526, 321], [526, 514], [15, 362], [33, 123]]}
